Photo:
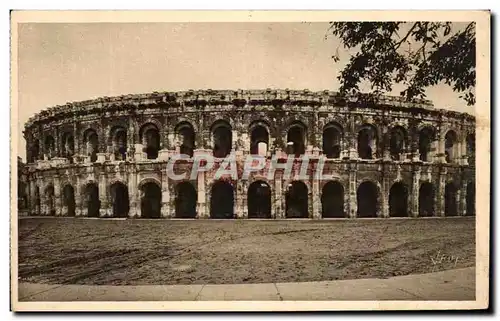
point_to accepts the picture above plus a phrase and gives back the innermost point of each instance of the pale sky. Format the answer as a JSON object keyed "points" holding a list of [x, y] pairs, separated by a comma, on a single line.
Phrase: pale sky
{"points": [[59, 63]]}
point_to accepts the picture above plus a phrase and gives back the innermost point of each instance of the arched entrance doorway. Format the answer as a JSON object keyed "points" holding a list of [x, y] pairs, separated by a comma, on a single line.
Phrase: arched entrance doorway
{"points": [[367, 197], [120, 199], [450, 200], [69, 200], [332, 200], [398, 200], [150, 200], [470, 199], [92, 200], [259, 200], [185, 200], [296, 200], [296, 137], [426, 200], [222, 200]]}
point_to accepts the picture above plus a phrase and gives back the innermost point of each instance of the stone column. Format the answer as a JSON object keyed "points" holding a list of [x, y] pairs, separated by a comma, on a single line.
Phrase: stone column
{"points": [[239, 188], [441, 157], [133, 189], [103, 196], [462, 209], [439, 197], [201, 204], [165, 195], [32, 198], [458, 200], [415, 188], [384, 199], [58, 197], [279, 196], [78, 197], [316, 200], [351, 199], [76, 140]]}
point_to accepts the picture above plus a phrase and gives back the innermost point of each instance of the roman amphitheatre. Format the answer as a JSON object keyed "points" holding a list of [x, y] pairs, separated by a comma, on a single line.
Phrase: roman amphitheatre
{"points": [[100, 208]]}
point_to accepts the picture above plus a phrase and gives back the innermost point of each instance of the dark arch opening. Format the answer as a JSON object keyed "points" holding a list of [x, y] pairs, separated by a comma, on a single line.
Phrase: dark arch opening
{"points": [[296, 140], [50, 199], [367, 141], [92, 144], [332, 137], [69, 199], [68, 146], [38, 201], [397, 142], [332, 200], [49, 146], [398, 200], [187, 136], [259, 200], [185, 201], [151, 140], [120, 199], [92, 199], [470, 199], [426, 136], [450, 200], [222, 200], [223, 139], [151, 200], [35, 152], [449, 146], [471, 149], [258, 135], [367, 197], [426, 200], [296, 200], [119, 143]]}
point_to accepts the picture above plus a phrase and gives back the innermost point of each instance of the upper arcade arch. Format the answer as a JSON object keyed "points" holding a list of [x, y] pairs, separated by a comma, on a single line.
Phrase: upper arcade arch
{"points": [[222, 136], [149, 134], [332, 140]]}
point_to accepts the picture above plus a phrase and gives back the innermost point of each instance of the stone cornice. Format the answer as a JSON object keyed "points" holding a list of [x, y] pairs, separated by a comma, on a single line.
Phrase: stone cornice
{"points": [[239, 98]]}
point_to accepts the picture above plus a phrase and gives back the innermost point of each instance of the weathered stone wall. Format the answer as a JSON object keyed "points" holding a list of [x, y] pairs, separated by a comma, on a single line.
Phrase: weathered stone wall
{"points": [[54, 161]]}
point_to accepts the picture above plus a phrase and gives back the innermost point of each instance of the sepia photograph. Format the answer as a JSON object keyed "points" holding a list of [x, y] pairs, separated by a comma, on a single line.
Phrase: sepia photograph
{"points": [[250, 160]]}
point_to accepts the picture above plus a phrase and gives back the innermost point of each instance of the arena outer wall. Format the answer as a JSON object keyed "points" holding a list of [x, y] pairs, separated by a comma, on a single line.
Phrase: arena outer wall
{"points": [[107, 157]]}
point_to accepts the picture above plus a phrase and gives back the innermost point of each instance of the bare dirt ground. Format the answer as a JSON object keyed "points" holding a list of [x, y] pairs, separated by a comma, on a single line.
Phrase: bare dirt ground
{"points": [[138, 252]]}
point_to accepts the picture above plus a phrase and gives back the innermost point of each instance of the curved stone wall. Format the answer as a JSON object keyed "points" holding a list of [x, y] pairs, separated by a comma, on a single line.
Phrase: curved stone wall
{"points": [[109, 157]]}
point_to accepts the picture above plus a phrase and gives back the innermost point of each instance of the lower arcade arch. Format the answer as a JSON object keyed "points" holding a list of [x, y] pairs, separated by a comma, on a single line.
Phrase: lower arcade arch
{"points": [[470, 200], [50, 200], [450, 200], [69, 200], [398, 200], [296, 200], [120, 199], [332, 200], [222, 200], [185, 200], [259, 200], [93, 204], [150, 200], [426, 200], [367, 199]]}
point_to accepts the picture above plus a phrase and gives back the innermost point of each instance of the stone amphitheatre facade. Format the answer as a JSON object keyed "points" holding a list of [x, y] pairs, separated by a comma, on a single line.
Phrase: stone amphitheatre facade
{"points": [[108, 157]]}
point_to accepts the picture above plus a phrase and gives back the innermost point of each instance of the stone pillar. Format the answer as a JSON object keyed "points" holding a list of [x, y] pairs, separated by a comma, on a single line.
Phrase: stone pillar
{"points": [[58, 197], [415, 188], [458, 200], [201, 204], [78, 197], [316, 200], [441, 158], [239, 210], [165, 195], [384, 199], [133, 189], [103, 196], [279, 196], [439, 197], [34, 210], [352, 193], [462, 209]]}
